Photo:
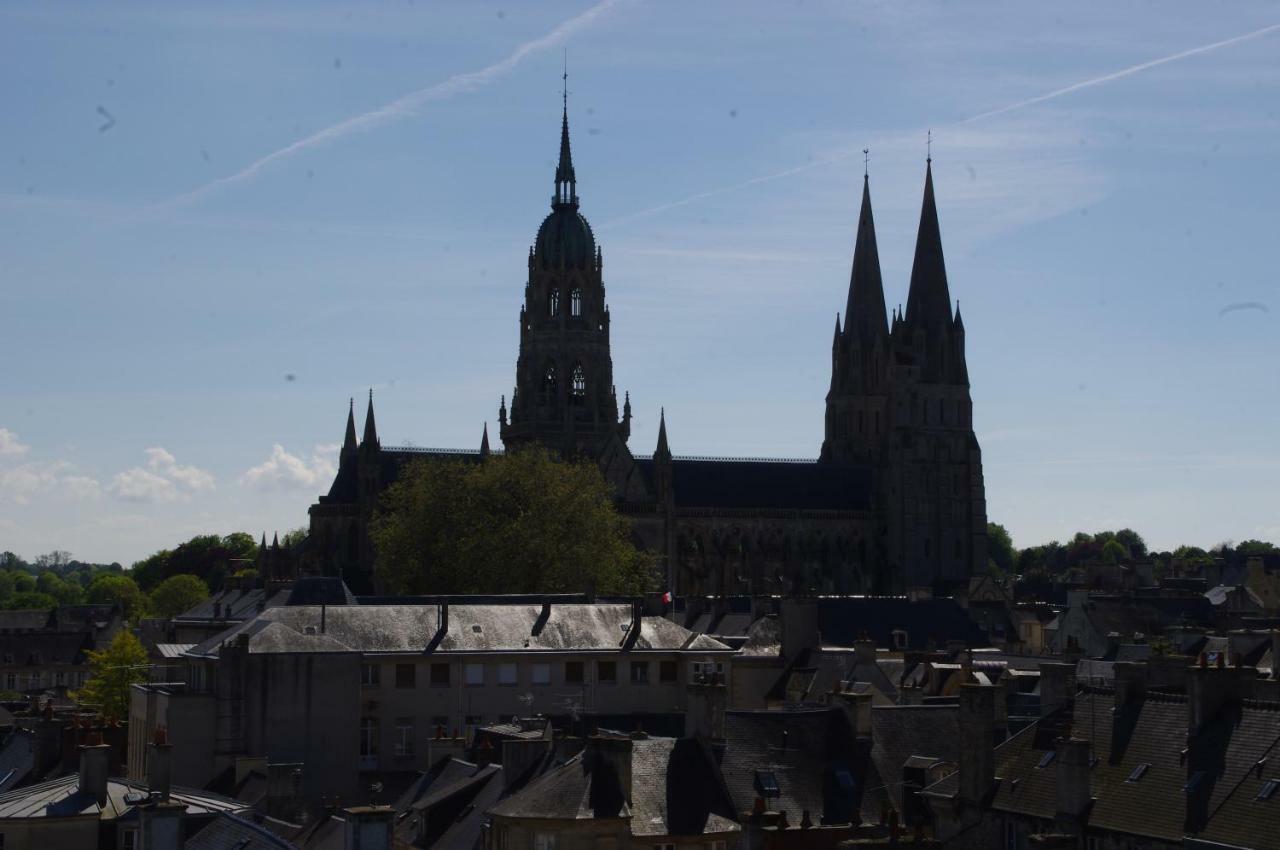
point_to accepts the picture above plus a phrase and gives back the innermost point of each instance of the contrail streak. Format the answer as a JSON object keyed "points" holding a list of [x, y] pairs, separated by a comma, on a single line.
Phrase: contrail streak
{"points": [[1096, 81], [1126, 72], [405, 106]]}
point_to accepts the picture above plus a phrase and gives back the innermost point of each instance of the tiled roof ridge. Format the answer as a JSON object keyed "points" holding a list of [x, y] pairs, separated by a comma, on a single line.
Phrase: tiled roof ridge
{"points": [[246, 821], [1261, 704], [1149, 695]]}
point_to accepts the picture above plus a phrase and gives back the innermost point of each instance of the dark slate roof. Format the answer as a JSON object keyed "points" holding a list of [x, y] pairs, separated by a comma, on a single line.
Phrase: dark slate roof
{"points": [[26, 619], [472, 628], [766, 484], [391, 461], [61, 797], [674, 791], [452, 809], [85, 616], [1223, 808], [236, 605], [803, 749], [41, 649], [17, 758], [232, 832], [320, 590], [901, 731], [843, 620]]}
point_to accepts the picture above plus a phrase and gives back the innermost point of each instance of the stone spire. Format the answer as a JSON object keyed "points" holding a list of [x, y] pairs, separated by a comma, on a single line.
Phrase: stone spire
{"points": [[349, 442], [865, 311], [484, 441], [566, 182], [928, 300], [663, 451], [370, 427]]}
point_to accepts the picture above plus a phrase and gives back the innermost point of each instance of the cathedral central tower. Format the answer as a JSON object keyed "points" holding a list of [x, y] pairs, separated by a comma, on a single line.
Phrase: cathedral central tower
{"points": [[564, 398]]}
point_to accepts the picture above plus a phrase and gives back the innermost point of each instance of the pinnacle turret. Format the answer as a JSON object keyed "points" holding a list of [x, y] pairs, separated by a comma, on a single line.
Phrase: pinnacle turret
{"points": [[484, 441], [349, 441], [663, 451]]}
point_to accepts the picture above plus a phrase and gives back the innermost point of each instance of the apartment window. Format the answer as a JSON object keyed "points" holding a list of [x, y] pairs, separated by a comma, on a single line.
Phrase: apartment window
{"points": [[574, 672], [370, 675], [900, 639], [639, 672], [128, 839], [439, 675], [404, 736], [473, 674], [11, 681], [540, 674], [544, 841], [667, 671], [606, 672], [506, 673], [440, 723], [767, 784], [704, 670], [368, 736], [406, 675], [59, 678]]}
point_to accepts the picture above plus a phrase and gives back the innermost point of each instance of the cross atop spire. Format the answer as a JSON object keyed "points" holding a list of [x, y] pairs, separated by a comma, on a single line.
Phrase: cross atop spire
{"points": [[928, 146], [566, 182], [866, 162]]}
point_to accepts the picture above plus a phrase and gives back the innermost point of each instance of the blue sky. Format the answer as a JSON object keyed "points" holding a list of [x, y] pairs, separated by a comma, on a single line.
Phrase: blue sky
{"points": [[1112, 246]]}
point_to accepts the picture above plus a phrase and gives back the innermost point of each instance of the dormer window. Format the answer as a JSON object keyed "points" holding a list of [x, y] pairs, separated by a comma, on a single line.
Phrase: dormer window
{"points": [[575, 303], [553, 302]]}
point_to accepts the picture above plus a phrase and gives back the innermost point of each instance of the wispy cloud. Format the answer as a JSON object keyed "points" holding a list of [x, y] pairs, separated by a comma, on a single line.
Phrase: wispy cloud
{"points": [[9, 445], [21, 479], [163, 479], [405, 106], [285, 471], [856, 150]]}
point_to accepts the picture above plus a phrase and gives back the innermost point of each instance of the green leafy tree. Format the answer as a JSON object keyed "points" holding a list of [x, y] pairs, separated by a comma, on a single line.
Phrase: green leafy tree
{"points": [[522, 522], [177, 594], [107, 589], [1000, 548], [293, 537], [206, 556], [66, 592], [1133, 541], [1113, 552], [24, 583], [29, 599], [111, 673], [6, 585]]}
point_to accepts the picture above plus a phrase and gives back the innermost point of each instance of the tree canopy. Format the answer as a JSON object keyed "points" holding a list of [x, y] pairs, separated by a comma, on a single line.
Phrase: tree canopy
{"points": [[1000, 549], [107, 589], [111, 673], [177, 594], [522, 522], [207, 556]]}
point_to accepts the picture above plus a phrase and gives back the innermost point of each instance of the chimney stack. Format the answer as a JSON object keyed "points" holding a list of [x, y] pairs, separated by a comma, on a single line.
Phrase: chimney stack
{"points": [[284, 790], [1130, 683], [977, 743], [1073, 780], [857, 709], [1057, 687], [799, 626], [604, 753], [704, 709], [93, 770], [160, 764], [160, 825], [369, 827], [865, 651], [1209, 689]]}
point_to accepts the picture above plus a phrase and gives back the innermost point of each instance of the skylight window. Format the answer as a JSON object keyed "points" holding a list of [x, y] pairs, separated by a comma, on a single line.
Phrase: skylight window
{"points": [[1269, 789], [1046, 760], [1138, 772], [1194, 782], [767, 782]]}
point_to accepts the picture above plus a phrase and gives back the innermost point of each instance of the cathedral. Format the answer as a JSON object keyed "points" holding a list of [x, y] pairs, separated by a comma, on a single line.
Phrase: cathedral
{"points": [[895, 501]]}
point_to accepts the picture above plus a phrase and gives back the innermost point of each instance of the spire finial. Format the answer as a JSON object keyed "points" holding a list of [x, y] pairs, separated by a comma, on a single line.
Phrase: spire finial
{"points": [[866, 162], [564, 88], [929, 148]]}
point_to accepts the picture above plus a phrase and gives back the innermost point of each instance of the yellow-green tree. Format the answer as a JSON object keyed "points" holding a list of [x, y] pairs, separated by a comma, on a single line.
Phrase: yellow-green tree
{"points": [[522, 522], [112, 671], [177, 594]]}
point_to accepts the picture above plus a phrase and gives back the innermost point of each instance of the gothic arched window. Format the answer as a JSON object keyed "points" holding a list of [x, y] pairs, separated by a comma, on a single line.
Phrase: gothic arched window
{"points": [[550, 382], [579, 382], [553, 302], [575, 303]]}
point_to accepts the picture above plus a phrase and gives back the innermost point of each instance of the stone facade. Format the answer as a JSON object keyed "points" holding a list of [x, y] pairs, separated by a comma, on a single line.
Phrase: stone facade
{"points": [[895, 501]]}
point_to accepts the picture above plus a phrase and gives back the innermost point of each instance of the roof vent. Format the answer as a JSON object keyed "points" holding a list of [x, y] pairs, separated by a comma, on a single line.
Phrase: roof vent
{"points": [[1138, 772], [1268, 790], [475, 627], [309, 630]]}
